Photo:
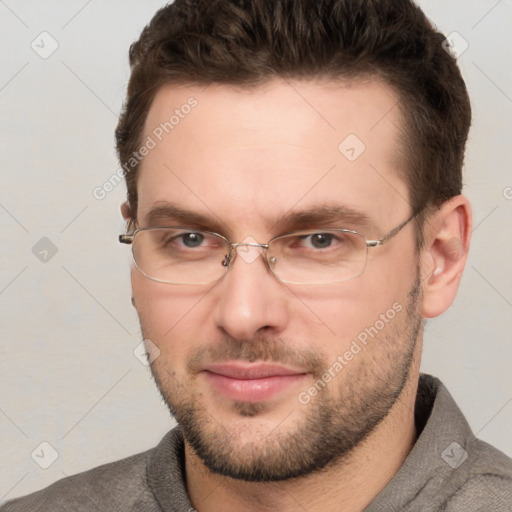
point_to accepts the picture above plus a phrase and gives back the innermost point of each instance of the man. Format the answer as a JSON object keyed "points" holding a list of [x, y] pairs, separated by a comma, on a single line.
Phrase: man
{"points": [[295, 214]]}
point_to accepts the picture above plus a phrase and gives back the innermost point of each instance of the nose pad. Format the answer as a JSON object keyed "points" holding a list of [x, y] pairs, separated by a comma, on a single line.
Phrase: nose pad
{"points": [[249, 249]]}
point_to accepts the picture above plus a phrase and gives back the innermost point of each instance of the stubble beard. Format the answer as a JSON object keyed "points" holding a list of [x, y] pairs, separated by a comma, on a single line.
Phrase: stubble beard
{"points": [[331, 425]]}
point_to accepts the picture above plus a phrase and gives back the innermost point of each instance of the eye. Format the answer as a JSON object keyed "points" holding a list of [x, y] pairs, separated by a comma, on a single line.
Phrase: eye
{"points": [[317, 240], [192, 239], [180, 240], [320, 240]]}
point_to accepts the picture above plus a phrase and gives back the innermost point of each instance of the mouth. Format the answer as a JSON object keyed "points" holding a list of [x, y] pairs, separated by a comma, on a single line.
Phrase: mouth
{"points": [[251, 382]]}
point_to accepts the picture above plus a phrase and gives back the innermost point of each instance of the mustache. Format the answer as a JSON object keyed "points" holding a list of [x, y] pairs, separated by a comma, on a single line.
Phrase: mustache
{"points": [[262, 348]]}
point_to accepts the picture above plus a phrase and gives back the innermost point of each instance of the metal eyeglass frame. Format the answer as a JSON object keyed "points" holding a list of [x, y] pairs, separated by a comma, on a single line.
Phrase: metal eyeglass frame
{"points": [[128, 238]]}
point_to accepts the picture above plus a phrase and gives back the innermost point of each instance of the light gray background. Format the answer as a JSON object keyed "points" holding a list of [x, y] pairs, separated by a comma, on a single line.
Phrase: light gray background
{"points": [[68, 375]]}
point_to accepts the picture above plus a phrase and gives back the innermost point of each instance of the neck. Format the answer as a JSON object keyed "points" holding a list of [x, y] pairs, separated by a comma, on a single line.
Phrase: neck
{"points": [[349, 485]]}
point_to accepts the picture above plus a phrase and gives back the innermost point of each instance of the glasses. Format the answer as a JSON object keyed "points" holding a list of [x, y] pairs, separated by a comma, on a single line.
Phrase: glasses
{"points": [[180, 255]]}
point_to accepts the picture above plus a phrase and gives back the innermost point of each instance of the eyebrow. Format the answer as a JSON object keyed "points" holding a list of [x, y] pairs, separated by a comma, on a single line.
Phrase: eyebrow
{"points": [[169, 212], [323, 215]]}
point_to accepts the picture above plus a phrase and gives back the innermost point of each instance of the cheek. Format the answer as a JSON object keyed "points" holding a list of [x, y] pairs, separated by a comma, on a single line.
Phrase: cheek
{"points": [[170, 315], [337, 314]]}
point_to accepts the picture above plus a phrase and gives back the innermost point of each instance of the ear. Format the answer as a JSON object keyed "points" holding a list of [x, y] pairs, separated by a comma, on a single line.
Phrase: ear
{"points": [[443, 257], [125, 211]]}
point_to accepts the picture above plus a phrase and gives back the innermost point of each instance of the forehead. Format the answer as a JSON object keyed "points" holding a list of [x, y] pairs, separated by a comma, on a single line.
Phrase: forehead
{"points": [[245, 155]]}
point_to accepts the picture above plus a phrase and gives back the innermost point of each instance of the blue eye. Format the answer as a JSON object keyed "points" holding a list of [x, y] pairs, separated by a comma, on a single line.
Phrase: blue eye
{"points": [[192, 239], [317, 240], [321, 240]]}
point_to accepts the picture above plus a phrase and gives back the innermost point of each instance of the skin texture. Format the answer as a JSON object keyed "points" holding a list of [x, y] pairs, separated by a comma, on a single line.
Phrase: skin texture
{"points": [[244, 159]]}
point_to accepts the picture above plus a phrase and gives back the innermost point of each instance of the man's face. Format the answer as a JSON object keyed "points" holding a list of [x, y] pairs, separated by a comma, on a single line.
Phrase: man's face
{"points": [[271, 380]]}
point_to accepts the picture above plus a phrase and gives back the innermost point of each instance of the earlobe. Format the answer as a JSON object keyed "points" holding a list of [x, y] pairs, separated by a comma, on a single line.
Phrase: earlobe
{"points": [[447, 239]]}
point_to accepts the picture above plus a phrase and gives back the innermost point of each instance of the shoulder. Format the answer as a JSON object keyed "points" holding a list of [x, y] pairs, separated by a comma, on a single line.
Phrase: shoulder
{"points": [[115, 486], [448, 468], [473, 475], [486, 483], [470, 474]]}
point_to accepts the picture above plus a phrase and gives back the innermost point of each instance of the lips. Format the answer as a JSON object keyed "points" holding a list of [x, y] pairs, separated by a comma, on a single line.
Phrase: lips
{"points": [[251, 371], [251, 382]]}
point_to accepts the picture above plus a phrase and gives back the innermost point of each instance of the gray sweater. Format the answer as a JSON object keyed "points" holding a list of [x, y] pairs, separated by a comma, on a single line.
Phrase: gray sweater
{"points": [[447, 470]]}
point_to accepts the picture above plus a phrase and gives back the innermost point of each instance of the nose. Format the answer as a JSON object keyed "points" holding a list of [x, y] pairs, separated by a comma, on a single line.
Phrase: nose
{"points": [[249, 298]]}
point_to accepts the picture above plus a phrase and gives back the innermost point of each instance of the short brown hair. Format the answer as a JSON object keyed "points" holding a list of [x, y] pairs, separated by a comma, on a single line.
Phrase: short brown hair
{"points": [[248, 42]]}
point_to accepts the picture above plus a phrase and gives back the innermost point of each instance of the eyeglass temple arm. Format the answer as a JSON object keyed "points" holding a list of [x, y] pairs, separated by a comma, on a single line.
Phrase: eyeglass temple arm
{"points": [[391, 234], [126, 238]]}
